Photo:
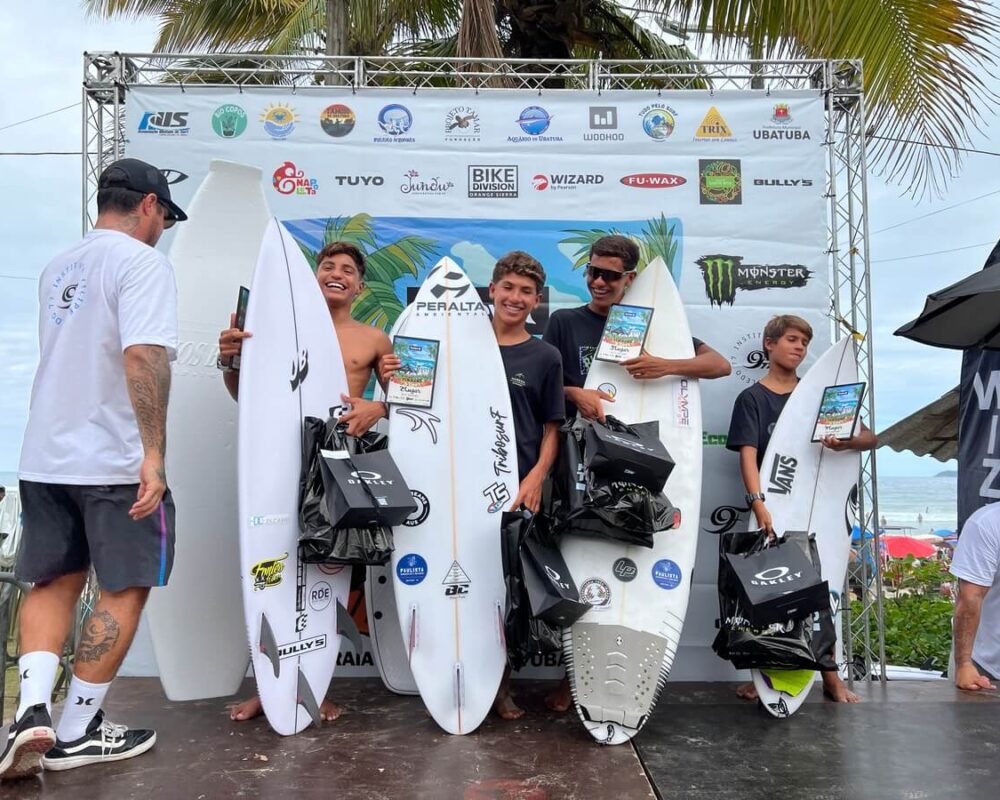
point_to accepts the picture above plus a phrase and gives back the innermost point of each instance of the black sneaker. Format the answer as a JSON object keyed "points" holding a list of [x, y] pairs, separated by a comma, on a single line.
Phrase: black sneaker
{"points": [[27, 741], [104, 741]]}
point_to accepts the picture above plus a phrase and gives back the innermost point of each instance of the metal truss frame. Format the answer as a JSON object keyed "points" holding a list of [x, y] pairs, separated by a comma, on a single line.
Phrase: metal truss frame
{"points": [[108, 77]]}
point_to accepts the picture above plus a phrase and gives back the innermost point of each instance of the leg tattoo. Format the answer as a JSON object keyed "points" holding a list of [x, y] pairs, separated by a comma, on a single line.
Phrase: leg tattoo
{"points": [[100, 635]]}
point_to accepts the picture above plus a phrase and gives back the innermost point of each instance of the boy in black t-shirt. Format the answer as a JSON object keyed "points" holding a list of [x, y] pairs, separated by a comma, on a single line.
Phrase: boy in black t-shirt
{"points": [[576, 332], [757, 408]]}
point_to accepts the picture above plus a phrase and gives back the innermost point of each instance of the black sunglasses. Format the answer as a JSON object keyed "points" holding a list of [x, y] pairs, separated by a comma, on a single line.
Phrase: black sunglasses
{"points": [[609, 275]]}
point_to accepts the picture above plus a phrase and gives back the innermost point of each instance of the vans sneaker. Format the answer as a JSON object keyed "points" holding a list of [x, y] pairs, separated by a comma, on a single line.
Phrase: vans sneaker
{"points": [[104, 741], [28, 739]]}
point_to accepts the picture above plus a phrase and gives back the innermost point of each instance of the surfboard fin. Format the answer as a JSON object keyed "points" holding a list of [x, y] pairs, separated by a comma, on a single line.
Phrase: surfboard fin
{"points": [[306, 699], [268, 645], [411, 644], [346, 626], [500, 627], [459, 687]]}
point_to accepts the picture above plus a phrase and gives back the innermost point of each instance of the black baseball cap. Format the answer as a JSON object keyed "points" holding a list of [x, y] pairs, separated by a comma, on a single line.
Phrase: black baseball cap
{"points": [[131, 173]]}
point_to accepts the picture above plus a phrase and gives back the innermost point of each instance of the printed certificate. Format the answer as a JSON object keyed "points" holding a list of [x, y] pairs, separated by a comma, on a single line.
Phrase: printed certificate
{"points": [[624, 333], [413, 383], [838, 411]]}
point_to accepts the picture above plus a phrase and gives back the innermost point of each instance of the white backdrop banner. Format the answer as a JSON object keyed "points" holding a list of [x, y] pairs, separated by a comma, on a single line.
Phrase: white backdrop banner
{"points": [[727, 186]]}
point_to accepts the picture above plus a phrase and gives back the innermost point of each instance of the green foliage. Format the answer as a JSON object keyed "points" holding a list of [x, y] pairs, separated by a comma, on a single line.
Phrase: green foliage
{"points": [[917, 630], [656, 240], [916, 576]]}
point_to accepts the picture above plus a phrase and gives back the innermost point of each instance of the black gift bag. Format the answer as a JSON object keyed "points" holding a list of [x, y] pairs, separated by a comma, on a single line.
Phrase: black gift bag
{"points": [[552, 593], [365, 489], [778, 584], [632, 453]]}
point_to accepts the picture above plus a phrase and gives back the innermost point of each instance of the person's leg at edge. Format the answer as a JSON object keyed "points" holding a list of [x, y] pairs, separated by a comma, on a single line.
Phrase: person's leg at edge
{"points": [[251, 707], [560, 698], [746, 691], [834, 689], [504, 705]]}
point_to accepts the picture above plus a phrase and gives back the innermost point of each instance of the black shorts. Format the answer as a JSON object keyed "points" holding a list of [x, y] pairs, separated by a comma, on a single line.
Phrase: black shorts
{"points": [[68, 528]]}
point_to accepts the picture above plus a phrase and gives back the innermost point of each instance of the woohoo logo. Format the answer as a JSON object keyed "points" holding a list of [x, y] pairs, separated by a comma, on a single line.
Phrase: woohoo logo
{"points": [[725, 274], [289, 179]]}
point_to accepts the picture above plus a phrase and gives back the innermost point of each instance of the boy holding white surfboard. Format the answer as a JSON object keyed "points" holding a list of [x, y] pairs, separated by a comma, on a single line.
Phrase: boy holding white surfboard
{"points": [[757, 408], [340, 272], [576, 333]]}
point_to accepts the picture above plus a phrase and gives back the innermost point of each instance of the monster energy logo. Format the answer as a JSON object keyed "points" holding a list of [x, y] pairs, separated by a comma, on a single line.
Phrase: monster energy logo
{"points": [[725, 274]]}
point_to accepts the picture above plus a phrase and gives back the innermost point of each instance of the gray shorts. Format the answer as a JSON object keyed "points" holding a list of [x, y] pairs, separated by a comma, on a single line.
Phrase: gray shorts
{"points": [[68, 528], [983, 671]]}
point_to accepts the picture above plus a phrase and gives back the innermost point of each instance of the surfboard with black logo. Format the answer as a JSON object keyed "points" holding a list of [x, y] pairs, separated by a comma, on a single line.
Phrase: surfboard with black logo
{"points": [[291, 368], [808, 487], [460, 454], [620, 652]]}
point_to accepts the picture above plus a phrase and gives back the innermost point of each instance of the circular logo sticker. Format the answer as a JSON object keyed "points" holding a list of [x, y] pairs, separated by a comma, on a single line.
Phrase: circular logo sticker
{"points": [[625, 570], [658, 122], [337, 120], [608, 388], [596, 592], [411, 569], [423, 509], [534, 120], [395, 119], [279, 120], [320, 595], [229, 121], [666, 574]]}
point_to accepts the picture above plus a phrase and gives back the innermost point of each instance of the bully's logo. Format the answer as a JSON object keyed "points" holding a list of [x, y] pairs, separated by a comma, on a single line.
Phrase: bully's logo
{"points": [[300, 368]]}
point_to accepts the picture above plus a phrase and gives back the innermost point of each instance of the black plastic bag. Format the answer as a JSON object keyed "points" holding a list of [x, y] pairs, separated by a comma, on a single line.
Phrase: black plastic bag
{"points": [[587, 504], [799, 644], [319, 541], [526, 636], [628, 452]]}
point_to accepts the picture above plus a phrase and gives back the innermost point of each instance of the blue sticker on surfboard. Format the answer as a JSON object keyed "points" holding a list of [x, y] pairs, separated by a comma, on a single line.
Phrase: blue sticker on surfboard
{"points": [[411, 569], [666, 574]]}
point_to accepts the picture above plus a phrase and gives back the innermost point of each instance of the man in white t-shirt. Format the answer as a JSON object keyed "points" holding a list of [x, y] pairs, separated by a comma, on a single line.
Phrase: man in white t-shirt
{"points": [[92, 482], [976, 564]]}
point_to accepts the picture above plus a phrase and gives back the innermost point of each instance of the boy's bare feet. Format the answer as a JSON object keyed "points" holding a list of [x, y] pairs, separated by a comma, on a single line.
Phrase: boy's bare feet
{"points": [[835, 690], [248, 709], [506, 708], [747, 691], [561, 698]]}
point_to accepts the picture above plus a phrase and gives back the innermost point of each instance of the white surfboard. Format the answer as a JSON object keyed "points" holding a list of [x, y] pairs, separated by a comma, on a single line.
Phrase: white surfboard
{"points": [[384, 632], [808, 487], [620, 652], [197, 620], [290, 369], [461, 456]]}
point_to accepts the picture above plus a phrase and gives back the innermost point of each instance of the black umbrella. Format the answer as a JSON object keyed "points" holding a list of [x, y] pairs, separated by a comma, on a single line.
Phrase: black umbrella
{"points": [[963, 315]]}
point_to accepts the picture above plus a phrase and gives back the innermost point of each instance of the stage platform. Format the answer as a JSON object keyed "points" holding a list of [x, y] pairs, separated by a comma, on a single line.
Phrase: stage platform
{"points": [[906, 741]]}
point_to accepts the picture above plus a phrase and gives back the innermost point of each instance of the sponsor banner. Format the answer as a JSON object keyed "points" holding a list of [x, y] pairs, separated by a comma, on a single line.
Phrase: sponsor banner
{"points": [[731, 183]]}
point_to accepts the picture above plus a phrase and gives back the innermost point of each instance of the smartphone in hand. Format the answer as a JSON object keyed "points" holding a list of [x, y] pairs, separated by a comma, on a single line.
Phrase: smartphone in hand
{"points": [[242, 301]]}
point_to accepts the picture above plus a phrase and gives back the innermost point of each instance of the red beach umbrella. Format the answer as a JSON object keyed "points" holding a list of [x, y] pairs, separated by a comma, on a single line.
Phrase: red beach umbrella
{"points": [[903, 546]]}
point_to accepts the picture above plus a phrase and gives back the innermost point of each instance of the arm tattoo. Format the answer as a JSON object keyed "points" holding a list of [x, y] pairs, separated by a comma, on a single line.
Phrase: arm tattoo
{"points": [[147, 374], [100, 635]]}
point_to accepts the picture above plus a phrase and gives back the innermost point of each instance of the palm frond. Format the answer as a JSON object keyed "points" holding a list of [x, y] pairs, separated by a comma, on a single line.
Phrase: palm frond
{"points": [[356, 229]]}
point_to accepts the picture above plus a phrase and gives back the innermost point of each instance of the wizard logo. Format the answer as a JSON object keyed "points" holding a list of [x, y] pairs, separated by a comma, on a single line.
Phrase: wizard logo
{"points": [[725, 274]]}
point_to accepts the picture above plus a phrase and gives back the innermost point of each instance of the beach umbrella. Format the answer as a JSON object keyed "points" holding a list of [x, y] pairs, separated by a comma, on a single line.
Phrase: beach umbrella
{"points": [[903, 546], [963, 315], [856, 534]]}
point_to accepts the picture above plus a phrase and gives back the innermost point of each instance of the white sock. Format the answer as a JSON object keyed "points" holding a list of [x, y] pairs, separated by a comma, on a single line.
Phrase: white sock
{"points": [[83, 701], [38, 673]]}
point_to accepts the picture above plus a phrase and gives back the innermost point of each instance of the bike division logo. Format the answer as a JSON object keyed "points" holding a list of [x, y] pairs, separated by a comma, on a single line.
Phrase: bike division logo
{"points": [[279, 120], [720, 182], [724, 275]]}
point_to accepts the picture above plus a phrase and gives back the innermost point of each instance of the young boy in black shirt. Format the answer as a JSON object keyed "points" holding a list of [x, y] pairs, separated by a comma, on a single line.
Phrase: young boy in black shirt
{"points": [[757, 408], [576, 332]]}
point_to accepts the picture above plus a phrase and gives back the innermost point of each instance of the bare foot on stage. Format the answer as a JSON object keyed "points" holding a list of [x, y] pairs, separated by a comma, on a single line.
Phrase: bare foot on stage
{"points": [[835, 690], [506, 708], [561, 698], [746, 692], [249, 709]]}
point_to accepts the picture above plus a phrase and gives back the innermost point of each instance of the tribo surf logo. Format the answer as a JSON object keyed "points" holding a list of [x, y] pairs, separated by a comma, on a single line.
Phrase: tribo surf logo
{"points": [[267, 573], [451, 290], [780, 127], [652, 180], [337, 120], [461, 124], [720, 182], [714, 128], [279, 120], [749, 358], [725, 274], [559, 181], [501, 443], [782, 475], [229, 121], [165, 123], [67, 293], [289, 179], [395, 120], [414, 184], [487, 180], [658, 122], [534, 121]]}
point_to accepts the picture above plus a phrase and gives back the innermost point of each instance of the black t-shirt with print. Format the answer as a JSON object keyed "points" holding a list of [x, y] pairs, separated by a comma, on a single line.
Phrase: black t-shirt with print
{"points": [[575, 333], [534, 380], [755, 412]]}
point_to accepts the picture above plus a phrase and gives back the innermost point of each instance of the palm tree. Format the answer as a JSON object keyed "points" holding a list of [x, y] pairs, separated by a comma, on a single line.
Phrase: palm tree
{"points": [[924, 62], [657, 239], [386, 263]]}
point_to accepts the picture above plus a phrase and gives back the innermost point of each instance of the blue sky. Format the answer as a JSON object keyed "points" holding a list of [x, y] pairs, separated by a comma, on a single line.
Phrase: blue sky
{"points": [[40, 214]]}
